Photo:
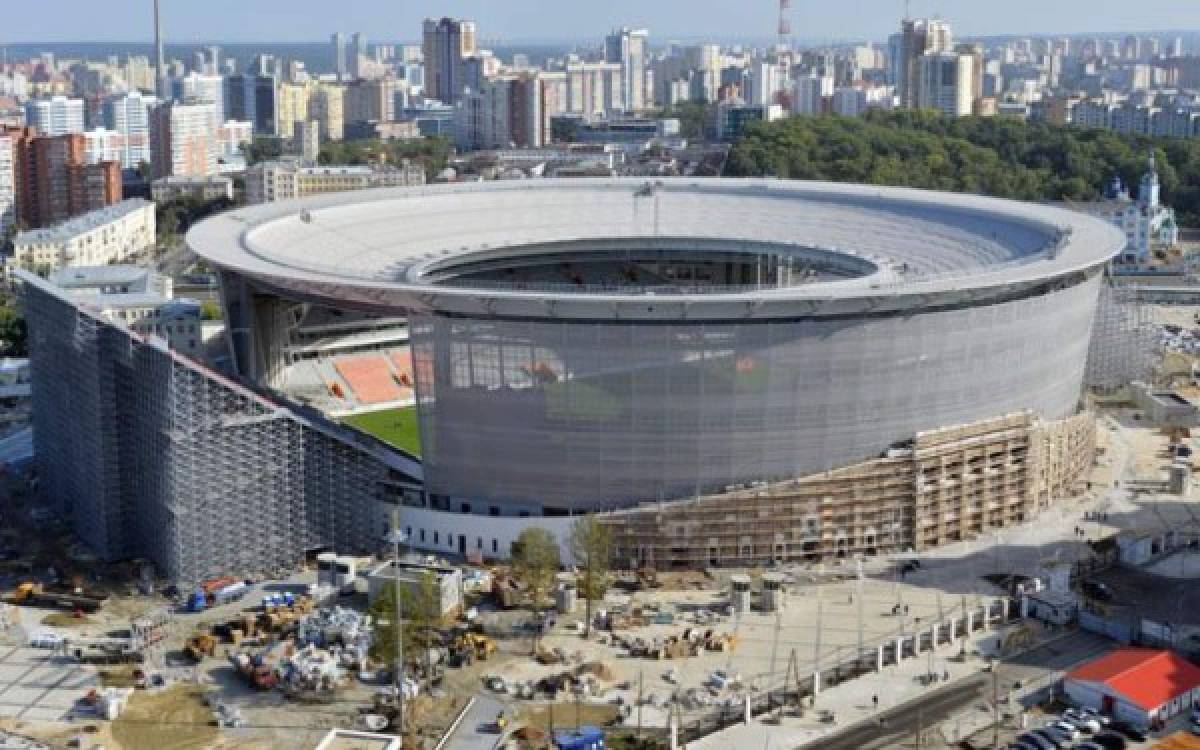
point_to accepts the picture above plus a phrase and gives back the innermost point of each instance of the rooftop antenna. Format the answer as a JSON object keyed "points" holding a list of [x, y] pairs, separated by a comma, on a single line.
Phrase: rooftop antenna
{"points": [[907, 10], [160, 63]]}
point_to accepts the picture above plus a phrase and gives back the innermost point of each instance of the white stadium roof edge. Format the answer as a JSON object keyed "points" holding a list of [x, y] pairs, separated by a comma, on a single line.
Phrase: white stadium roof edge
{"points": [[373, 248]]}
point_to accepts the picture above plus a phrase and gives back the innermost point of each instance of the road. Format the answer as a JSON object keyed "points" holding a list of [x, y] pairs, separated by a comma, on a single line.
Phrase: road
{"points": [[899, 725], [477, 731]]}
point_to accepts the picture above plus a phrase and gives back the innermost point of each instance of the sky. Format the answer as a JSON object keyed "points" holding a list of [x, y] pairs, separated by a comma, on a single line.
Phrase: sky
{"points": [[187, 21]]}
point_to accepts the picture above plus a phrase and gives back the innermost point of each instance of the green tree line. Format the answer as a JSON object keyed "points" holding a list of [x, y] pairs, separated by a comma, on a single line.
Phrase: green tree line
{"points": [[1000, 156]]}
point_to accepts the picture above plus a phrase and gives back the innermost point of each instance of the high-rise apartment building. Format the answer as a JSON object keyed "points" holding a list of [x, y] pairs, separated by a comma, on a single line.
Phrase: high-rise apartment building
{"points": [[129, 115], [253, 97], [370, 101], [916, 38], [594, 89], [203, 89], [55, 182], [8, 179], [447, 44], [947, 83], [630, 49], [327, 108], [338, 42], [182, 140], [358, 54], [293, 100], [55, 116]]}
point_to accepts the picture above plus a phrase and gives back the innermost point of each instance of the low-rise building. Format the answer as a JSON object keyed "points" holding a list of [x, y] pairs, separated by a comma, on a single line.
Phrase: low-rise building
{"points": [[283, 180], [412, 576], [108, 235], [139, 299], [209, 188], [1139, 685]]}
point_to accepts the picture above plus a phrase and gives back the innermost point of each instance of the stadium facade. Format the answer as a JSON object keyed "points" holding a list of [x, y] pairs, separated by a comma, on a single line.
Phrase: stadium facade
{"points": [[729, 370]]}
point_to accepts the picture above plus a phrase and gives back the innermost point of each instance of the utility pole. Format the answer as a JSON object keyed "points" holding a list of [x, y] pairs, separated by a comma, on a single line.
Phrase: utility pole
{"points": [[817, 640], [995, 705], [858, 657], [774, 651], [641, 675], [397, 537]]}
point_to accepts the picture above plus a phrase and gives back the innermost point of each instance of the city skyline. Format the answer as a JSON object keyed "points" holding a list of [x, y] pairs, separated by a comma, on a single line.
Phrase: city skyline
{"points": [[539, 20]]}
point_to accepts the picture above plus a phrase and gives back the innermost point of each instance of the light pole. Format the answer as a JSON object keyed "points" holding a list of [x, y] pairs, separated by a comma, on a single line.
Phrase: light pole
{"points": [[397, 537]]}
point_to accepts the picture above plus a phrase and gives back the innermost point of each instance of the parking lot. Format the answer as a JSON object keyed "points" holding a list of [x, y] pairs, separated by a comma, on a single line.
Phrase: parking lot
{"points": [[39, 685]]}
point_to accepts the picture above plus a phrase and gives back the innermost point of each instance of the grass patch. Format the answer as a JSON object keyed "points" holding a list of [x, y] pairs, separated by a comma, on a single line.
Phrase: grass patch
{"points": [[398, 427], [66, 620]]}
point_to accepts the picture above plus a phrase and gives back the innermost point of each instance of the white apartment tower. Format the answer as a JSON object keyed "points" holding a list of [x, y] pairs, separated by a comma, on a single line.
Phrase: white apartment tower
{"points": [[946, 83], [8, 182], [182, 140], [55, 116], [630, 49], [129, 115]]}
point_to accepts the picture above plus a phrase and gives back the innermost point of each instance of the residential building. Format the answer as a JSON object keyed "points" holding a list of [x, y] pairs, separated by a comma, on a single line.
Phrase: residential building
{"points": [[905, 50], [252, 97], [594, 89], [506, 112], [9, 149], [733, 115], [370, 101], [809, 94], [947, 83], [267, 182], [210, 188], [55, 182], [204, 89], [182, 139], [338, 41], [293, 102], [447, 44], [308, 136], [630, 49], [109, 235], [55, 116], [129, 115], [326, 106], [1138, 685], [139, 298], [358, 55], [103, 145]]}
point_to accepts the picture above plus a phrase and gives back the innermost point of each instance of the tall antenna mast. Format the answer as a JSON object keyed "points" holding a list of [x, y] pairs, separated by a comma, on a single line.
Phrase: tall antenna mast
{"points": [[785, 25], [160, 63]]}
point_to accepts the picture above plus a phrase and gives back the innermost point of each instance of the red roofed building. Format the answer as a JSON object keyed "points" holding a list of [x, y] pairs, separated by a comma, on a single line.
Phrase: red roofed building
{"points": [[1137, 685]]}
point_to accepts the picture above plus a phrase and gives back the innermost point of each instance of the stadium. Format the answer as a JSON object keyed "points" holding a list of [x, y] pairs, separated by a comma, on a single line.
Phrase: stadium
{"points": [[656, 350]]}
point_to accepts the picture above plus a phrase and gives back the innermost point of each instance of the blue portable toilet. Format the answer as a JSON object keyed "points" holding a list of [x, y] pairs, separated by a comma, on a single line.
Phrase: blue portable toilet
{"points": [[198, 601], [584, 738]]}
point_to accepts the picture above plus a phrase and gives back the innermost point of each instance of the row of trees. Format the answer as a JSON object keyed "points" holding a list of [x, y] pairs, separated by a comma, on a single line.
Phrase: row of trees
{"points": [[431, 153], [1000, 156]]}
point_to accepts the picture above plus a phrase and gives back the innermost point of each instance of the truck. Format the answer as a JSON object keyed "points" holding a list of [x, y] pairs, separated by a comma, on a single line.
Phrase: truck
{"points": [[58, 597]]}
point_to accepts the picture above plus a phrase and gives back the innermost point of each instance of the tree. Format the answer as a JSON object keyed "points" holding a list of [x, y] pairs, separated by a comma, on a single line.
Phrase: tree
{"points": [[421, 610], [591, 546], [14, 336], [535, 561], [210, 310]]}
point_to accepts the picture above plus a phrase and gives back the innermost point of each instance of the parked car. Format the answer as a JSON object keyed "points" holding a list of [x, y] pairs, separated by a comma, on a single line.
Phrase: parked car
{"points": [[1135, 733]]}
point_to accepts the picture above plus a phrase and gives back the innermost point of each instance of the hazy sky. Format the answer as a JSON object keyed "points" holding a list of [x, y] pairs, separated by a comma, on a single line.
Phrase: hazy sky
{"points": [[514, 20]]}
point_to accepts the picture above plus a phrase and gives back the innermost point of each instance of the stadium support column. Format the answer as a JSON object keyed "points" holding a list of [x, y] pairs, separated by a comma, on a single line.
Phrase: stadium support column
{"points": [[256, 328]]}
